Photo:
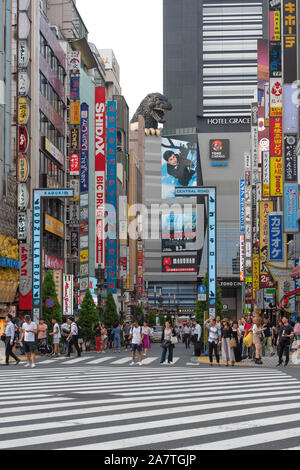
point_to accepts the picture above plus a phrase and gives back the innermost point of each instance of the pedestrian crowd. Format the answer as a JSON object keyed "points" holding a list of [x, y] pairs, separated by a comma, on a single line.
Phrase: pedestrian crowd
{"points": [[252, 337]]}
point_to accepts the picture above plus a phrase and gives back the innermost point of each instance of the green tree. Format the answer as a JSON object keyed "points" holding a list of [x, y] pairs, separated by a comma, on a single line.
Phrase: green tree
{"points": [[140, 316], [88, 317], [152, 319], [49, 292], [202, 307], [110, 315]]}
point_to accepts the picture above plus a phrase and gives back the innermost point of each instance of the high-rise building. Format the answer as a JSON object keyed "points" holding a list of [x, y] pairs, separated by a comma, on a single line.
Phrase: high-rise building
{"points": [[210, 77]]}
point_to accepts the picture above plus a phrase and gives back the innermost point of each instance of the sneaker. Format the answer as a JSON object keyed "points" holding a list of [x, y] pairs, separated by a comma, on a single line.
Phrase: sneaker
{"points": [[18, 362], [171, 363], [27, 365], [32, 366], [140, 363], [286, 364], [279, 364], [132, 363]]}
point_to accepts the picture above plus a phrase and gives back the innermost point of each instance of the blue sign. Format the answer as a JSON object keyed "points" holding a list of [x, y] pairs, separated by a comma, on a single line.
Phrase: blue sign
{"points": [[84, 148], [291, 224], [242, 206], [297, 286], [276, 236], [9, 263], [74, 88], [50, 303], [111, 198], [202, 290]]}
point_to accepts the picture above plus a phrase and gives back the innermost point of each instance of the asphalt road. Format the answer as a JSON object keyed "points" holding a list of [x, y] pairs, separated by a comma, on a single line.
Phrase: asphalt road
{"points": [[111, 407]]}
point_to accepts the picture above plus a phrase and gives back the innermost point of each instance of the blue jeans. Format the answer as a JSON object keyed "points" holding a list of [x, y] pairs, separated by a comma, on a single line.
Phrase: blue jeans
{"points": [[164, 354], [117, 342]]}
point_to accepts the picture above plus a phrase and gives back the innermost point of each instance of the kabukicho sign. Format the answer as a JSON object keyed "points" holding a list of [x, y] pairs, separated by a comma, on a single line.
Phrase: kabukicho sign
{"points": [[23, 139]]}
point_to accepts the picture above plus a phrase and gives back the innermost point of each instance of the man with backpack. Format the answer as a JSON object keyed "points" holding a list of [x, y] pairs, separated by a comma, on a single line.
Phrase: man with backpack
{"points": [[72, 339], [136, 335]]}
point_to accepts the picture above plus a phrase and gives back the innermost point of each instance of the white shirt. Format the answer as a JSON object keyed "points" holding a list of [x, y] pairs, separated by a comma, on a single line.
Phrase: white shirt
{"points": [[56, 327], [74, 329], [198, 331], [136, 335], [29, 337]]}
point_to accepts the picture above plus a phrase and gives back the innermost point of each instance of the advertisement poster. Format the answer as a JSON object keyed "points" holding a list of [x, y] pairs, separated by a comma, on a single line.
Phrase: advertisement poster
{"points": [[68, 295], [179, 232], [179, 264], [179, 163], [276, 176], [219, 152], [84, 148]]}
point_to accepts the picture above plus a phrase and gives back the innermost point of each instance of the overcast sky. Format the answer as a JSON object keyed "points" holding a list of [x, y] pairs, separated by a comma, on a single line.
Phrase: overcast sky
{"points": [[134, 30]]}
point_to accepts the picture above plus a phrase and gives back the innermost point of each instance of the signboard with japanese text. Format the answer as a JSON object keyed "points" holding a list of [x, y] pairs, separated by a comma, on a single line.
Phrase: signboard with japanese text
{"points": [[242, 206], [276, 176], [179, 264], [266, 174], [68, 295], [276, 252], [265, 208], [290, 40], [112, 196], [84, 148], [100, 171], [291, 205], [290, 151]]}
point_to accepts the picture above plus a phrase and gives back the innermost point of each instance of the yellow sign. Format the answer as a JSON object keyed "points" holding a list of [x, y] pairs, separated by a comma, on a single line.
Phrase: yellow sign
{"points": [[75, 114], [84, 256], [255, 274], [276, 176], [54, 226], [23, 111], [265, 207]]}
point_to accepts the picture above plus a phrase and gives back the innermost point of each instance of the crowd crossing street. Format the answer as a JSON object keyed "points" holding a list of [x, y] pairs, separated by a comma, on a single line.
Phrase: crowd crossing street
{"points": [[125, 408]]}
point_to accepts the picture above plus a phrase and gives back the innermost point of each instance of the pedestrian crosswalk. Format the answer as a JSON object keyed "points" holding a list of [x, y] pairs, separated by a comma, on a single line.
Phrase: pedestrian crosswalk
{"points": [[100, 408], [109, 360]]}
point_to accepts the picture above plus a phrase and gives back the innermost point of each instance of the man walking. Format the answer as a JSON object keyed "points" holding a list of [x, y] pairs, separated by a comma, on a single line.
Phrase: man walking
{"points": [[197, 339], [29, 330], [72, 339], [9, 340], [267, 341], [137, 342], [286, 333]]}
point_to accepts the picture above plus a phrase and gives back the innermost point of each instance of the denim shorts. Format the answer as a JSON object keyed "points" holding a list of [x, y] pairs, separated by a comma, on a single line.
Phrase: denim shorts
{"points": [[136, 347]]}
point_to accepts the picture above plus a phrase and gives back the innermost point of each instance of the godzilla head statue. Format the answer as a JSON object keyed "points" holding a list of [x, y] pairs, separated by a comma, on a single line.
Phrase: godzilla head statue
{"points": [[153, 109]]}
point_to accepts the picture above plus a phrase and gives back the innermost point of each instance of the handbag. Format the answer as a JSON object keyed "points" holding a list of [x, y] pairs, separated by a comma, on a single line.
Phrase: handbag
{"points": [[233, 343], [248, 340], [174, 340], [165, 344], [3, 338]]}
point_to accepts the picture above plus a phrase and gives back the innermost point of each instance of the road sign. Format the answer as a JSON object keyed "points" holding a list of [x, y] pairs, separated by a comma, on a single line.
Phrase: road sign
{"points": [[50, 303]]}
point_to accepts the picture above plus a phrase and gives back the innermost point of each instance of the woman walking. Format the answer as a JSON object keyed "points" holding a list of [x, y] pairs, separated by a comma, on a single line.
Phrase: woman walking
{"points": [[257, 339], [214, 340], [146, 330], [235, 342], [166, 343], [98, 339], [227, 352], [103, 337]]}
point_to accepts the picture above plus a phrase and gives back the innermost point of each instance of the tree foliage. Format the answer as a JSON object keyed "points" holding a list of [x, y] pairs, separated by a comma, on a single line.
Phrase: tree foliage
{"points": [[88, 317], [49, 292], [110, 315], [152, 319], [202, 307]]}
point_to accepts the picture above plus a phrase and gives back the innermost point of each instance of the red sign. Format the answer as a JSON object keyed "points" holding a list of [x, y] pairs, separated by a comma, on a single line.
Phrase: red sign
{"points": [[56, 264], [276, 138], [74, 164], [100, 165], [178, 264], [23, 139]]}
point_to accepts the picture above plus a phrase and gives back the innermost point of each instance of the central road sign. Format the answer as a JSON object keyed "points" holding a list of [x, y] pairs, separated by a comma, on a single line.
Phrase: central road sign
{"points": [[211, 194]]}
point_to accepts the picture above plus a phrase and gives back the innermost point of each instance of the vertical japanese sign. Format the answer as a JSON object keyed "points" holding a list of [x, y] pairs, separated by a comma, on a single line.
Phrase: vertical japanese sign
{"points": [[112, 196], [276, 236], [84, 199], [254, 142], [290, 150], [255, 274], [291, 206], [242, 206], [290, 40], [100, 171], [265, 207], [276, 160], [68, 295]]}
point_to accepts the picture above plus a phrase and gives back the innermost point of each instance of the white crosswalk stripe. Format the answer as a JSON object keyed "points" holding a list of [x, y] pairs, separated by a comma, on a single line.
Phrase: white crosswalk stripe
{"points": [[100, 408]]}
